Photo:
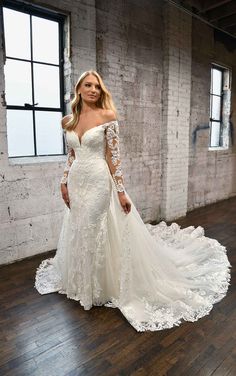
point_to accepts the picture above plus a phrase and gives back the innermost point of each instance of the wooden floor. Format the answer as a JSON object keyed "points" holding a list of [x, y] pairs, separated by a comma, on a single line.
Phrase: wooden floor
{"points": [[52, 335]]}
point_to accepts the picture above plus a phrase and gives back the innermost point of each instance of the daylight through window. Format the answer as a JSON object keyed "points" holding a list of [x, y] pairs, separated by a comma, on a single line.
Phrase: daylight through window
{"points": [[219, 107], [33, 81]]}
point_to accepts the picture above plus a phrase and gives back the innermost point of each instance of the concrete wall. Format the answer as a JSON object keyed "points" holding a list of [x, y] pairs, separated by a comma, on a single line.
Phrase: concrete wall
{"points": [[155, 61]]}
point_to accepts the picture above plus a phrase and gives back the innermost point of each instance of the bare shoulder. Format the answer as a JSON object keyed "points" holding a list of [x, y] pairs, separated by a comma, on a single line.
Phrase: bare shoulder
{"points": [[65, 120], [108, 115]]}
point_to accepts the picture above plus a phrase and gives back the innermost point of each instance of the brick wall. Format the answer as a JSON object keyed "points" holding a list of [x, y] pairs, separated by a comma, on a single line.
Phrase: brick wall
{"points": [[176, 112], [128, 54], [212, 174], [31, 208], [155, 61], [129, 57]]}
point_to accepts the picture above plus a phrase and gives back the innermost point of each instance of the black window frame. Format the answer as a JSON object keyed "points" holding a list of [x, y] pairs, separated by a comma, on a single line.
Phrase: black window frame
{"points": [[221, 69], [34, 10]]}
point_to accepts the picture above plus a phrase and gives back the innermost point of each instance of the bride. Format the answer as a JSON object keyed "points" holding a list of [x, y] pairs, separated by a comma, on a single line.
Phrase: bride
{"points": [[158, 276]]}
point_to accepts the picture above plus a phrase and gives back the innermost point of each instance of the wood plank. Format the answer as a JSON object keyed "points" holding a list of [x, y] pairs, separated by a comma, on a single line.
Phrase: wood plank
{"points": [[52, 335]]}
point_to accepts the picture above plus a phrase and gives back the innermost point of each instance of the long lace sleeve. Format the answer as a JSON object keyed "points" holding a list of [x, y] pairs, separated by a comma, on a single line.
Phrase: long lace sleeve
{"points": [[113, 154], [69, 161]]}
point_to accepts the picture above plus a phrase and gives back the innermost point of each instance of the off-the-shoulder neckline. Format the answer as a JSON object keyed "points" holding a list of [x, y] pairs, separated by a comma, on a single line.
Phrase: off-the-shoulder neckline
{"points": [[89, 129], [108, 122]]}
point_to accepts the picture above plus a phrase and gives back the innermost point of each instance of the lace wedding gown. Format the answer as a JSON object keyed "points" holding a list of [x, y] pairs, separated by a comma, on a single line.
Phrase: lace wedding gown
{"points": [[157, 276]]}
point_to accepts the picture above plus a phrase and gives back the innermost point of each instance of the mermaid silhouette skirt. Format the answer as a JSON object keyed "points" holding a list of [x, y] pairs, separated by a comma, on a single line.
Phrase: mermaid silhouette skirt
{"points": [[158, 276]]}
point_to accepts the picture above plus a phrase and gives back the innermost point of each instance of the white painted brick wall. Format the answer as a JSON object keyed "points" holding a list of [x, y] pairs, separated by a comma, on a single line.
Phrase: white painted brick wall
{"points": [[176, 110], [31, 208], [129, 50], [212, 174], [143, 51]]}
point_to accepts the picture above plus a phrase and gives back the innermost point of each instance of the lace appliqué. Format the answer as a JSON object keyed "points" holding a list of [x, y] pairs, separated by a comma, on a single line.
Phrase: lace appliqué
{"points": [[157, 276], [47, 279], [196, 302], [99, 259], [69, 161], [113, 155]]}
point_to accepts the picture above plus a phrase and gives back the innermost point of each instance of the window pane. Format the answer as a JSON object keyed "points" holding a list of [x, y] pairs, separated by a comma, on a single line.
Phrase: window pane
{"points": [[20, 133], [215, 110], [17, 33], [18, 82], [46, 83], [215, 133], [45, 40], [216, 81], [49, 133]]}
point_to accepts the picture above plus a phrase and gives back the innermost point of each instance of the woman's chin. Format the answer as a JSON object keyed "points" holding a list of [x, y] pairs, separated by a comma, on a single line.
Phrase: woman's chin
{"points": [[91, 100]]}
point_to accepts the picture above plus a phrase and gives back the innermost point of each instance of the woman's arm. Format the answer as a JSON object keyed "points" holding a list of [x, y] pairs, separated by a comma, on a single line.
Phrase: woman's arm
{"points": [[70, 152], [114, 162], [69, 161], [113, 154]]}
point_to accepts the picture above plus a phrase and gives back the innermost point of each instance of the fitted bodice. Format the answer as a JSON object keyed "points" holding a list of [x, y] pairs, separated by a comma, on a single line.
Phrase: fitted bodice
{"points": [[91, 145], [97, 143]]}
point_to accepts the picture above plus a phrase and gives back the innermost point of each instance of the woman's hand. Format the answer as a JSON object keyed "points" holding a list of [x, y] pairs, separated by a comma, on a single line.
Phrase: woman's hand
{"points": [[65, 195], [126, 205]]}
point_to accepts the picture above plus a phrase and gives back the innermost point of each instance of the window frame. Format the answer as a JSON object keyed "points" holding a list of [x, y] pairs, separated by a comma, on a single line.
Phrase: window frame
{"points": [[38, 11], [223, 144]]}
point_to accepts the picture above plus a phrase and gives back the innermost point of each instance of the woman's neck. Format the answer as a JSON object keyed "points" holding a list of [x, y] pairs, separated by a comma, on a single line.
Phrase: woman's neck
{"points": [[88, 107]]}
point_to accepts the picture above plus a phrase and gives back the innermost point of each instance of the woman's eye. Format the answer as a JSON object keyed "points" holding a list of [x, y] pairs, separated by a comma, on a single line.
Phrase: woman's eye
{"points": [[97, 87]]}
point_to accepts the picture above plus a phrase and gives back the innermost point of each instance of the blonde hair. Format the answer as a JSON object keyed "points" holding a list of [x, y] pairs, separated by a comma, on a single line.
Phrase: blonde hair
{"points": [[105, 100]]}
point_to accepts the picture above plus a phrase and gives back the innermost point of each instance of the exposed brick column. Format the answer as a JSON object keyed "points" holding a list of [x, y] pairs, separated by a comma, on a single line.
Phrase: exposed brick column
{"points": [[176, 111]]}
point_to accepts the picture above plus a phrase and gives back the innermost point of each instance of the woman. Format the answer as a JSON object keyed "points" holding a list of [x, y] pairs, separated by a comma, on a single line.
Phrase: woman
{"points": [[157, 276]]}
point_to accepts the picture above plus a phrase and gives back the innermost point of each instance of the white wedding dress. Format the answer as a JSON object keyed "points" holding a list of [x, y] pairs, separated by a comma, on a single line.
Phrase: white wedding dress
{"points": [[157, 276]]}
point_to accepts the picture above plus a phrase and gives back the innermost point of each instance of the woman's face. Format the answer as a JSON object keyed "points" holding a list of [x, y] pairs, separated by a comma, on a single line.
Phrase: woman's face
{"points": [[90, 89]]}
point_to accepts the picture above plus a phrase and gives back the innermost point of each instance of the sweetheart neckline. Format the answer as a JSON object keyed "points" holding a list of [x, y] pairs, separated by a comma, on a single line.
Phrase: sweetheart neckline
{"points": [[96, 126]]}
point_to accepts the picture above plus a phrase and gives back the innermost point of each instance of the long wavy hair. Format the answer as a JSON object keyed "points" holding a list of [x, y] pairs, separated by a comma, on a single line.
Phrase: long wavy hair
{"points": [[105, 100]]}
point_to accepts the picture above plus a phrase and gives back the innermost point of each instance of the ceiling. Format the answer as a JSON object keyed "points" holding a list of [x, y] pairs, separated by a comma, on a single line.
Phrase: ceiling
{"points": [[219, 13]]}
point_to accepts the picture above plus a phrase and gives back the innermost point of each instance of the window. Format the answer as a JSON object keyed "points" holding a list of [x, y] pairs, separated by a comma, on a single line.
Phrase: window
{"points": [[33, 79], [219, 107]]}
